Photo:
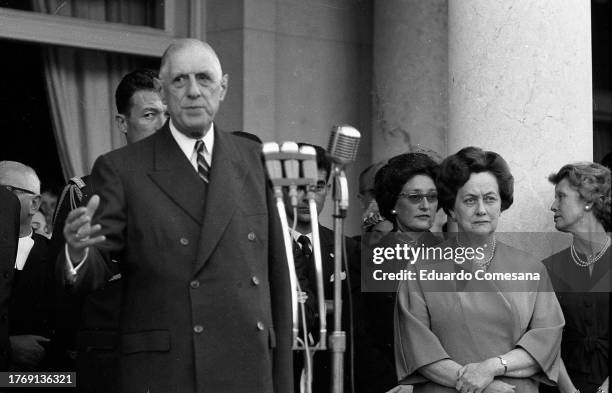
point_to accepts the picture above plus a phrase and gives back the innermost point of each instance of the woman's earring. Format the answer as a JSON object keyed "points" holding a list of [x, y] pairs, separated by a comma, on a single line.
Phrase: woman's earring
{"points": [[587, 207], [394, 212]]}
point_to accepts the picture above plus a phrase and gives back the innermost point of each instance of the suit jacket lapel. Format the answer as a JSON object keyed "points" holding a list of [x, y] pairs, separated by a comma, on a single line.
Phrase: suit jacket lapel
{"points": [[227, 175], [175, 175]]}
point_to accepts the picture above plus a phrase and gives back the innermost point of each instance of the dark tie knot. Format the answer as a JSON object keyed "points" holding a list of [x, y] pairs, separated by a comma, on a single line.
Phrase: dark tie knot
{"points": [[305, 244], [199, 146]]}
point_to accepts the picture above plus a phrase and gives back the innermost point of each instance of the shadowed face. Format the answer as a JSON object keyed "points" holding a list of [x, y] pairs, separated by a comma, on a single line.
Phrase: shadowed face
{"points": [[192, 88], [303, 212], [147, 114]]}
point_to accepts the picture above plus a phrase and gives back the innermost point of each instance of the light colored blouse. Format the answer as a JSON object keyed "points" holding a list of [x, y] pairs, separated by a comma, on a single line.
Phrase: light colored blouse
{"points": [[469, 327]]}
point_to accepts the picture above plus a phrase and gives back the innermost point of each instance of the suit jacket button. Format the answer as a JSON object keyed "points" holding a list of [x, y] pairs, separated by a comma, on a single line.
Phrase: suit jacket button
{"points": [[251, 236], [194, 284], [6, 274], [184, 241], [255, 280], [260, 325], [198, 329]]}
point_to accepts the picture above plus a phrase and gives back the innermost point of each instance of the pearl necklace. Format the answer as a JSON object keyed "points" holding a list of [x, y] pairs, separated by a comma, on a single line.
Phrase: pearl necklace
{"points": [[591, 259], [484, 265]]}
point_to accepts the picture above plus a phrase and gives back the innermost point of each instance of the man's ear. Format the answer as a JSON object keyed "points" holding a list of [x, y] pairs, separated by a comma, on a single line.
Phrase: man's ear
{"points": [[121, 123], [35, 205], [224, 84], [157, 82]]}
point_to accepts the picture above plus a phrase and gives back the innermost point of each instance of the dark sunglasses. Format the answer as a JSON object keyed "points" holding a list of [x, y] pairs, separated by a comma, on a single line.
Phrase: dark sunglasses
{"points": [[416, 198]]}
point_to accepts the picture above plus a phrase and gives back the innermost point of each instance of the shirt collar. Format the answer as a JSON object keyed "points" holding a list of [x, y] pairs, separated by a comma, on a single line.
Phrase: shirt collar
{"points": [[23, 251], [187, 144], [295, 235]]}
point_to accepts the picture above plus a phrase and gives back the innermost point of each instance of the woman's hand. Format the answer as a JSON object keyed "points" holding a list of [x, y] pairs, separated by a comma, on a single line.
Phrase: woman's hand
{"points": [[498, 386], [475, 377]]}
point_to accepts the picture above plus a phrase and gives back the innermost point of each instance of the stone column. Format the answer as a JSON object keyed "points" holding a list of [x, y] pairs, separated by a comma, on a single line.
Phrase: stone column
{"points": [[520, 85], [410, 95]]}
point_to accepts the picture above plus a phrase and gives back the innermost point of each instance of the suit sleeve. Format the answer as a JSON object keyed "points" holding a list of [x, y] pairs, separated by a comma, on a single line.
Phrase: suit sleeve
{"points": [[111, 215]]}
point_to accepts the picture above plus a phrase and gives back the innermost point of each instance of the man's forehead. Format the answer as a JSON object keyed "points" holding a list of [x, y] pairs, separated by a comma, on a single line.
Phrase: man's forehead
{"points": [[146, 98], [192, 59], [17, 178]]}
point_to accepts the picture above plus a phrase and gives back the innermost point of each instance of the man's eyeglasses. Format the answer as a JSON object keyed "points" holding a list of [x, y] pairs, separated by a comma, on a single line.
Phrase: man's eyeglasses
{"points": [[416, 198], [16, 190]]}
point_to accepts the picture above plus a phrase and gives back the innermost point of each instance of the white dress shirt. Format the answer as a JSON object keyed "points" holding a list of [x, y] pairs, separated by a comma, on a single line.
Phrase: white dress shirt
{"points": [[23, 250], [187, 145]]}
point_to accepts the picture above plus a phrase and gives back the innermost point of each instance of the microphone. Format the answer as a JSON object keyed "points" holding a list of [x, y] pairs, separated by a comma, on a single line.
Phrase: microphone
{"points": [[275, 171], [273, 166], [309, 164], [343, 144], [292, 170]]}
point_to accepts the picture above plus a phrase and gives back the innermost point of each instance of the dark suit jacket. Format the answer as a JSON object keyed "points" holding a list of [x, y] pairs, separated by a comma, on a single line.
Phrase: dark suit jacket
{"points": [[206, 296], [86, 326], [9, 235], [350, 296], [31, 304]]}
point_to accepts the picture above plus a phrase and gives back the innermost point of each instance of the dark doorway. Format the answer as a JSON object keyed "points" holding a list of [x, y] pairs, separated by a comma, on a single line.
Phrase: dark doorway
{"points": [[601, 27], [27, 131]]}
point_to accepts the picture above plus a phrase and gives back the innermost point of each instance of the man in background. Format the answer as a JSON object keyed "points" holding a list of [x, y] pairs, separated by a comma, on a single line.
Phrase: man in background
{"points": [[303, 248], [89, 326], [30, 310]]}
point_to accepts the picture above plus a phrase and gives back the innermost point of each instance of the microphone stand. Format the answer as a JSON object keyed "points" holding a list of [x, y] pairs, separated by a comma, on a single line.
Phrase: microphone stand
{"points": [[337, 339], [272, 155], [280, 207]]}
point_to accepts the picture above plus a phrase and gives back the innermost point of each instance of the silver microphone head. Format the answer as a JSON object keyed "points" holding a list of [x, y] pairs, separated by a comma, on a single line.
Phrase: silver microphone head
{"points": [[343, 144], [309, 163], [275, 171], [292, 166]]}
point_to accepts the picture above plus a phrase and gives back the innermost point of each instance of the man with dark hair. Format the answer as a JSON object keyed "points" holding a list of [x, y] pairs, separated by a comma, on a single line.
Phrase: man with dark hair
{"points": [[188, 215], [140, 110], [9, 235], [302, 236], [88, 326]]}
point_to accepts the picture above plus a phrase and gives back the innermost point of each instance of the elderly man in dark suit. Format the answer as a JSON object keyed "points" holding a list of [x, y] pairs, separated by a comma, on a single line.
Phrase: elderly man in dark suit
{"points": [[9, 235], [30, 322], [186, 212]]}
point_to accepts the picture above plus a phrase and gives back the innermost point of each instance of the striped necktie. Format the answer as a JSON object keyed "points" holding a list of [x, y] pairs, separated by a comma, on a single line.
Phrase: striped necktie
{"points": [[203, 167]]}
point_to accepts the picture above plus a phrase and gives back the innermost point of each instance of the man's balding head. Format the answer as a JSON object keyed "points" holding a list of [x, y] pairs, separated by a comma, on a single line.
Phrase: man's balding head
{"points": [[193, 85], [16, 174], [24, 183]]}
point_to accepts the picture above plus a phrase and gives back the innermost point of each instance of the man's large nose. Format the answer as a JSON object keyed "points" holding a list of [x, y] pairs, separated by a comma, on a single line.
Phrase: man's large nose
{"points": [[193, 88]]}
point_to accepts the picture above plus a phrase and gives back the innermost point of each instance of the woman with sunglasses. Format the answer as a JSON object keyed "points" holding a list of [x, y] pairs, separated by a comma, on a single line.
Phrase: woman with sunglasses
{"points": [[407, 197]]}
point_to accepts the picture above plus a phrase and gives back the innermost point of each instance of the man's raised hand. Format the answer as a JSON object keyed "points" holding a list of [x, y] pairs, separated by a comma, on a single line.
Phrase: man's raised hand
{"points": [[78, 231]]}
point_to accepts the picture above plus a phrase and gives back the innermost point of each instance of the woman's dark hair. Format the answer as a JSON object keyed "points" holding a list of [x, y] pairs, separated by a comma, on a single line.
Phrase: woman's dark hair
{"points": [[592, 181], [455, 171], [390, 179]]}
